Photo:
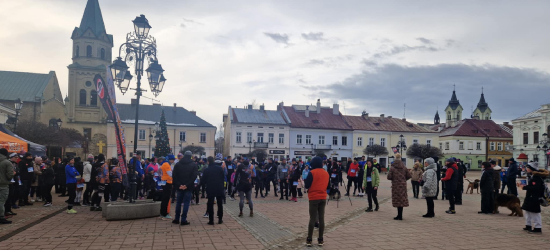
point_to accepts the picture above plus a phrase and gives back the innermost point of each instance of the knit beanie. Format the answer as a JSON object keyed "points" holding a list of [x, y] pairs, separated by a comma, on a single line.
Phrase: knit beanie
{"points": [[451, 160], [316, 162], [4, 152], [533, 166]]}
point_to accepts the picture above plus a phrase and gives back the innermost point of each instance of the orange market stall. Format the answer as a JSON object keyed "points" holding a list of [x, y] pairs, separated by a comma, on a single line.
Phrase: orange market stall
{"points": [[12, 144]]}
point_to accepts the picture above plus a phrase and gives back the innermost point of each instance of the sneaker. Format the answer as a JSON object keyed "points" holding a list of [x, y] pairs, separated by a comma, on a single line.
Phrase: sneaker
{"points": [[320, 242], [98, 209], [33, 200], [309, 242], [220, 221], [93, 208], [450, 211], [210, 223], [176, 221], [368, 210], [4, 221], [536, 231], [168, 217], [85, 204], [192, 202], [47, 204], [71, 211], [38, 199], [231, 198], [205, 215], [527, 228], [198, 203], [185, 223], [11, 213]]}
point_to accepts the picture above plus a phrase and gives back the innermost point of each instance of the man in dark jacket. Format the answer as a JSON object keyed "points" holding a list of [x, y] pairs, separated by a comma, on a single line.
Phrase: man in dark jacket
{"points": [[230, 170], [460, 182], [6, 174], [512, 175], [271, 169], [26, 173], [438, 175], [214, 177], [184, 176], [60, 177], [487, 190]]}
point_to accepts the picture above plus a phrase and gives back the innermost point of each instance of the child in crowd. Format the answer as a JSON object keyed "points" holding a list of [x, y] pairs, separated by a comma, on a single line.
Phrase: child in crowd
{"points": [[79, 188]]}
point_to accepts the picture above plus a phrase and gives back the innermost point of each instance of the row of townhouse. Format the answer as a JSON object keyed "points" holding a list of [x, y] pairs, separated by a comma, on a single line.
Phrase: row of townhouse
{"points": [[301, 131]]}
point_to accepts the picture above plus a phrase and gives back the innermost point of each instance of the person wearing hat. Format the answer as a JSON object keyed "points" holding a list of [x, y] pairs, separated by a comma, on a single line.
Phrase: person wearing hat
{"points": [[531, 204], [451, 180], [6, 174], [48, 178], [496, 176], [317, 183], [213, 177], [487, 189], [513, 172], [165, 172], [26, 171], [183, 179]]}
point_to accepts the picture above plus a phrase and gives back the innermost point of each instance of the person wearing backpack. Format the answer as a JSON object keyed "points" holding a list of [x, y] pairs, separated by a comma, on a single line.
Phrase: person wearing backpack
{"points": [[535, 190], [243, 179]]}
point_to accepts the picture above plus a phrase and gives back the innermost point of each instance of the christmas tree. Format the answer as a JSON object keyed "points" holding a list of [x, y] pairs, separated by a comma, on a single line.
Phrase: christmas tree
{"points": [[162, 147]]}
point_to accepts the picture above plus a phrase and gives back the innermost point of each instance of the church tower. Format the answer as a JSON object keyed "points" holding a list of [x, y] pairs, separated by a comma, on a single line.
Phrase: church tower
{"points": [[453, 111], [482, 112], [436, 118], [91, 53]]}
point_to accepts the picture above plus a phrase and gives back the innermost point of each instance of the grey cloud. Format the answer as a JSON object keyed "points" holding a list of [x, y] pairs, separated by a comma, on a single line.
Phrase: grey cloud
{"points": [[182, 25], [424, 88], [311, 36], [316, 62], [278, 38], [424, 40], [404, 48], [192, 21]]}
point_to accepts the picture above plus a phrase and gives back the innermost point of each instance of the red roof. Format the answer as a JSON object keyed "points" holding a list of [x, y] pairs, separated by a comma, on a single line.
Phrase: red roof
{"points": [[476, 128], [384, 124], [325, 120]]}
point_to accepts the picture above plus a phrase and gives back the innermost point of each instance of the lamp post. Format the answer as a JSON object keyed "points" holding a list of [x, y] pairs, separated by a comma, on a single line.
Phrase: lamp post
{"points": [[544, 141], [250, 147], [18, 107], [150, 140], [138, 48], [401, 145]]}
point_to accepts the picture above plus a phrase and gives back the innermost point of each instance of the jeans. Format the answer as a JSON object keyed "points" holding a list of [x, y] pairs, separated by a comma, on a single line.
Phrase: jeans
{"points": [[371, 194], [430, 205], [166, 193], [283, 185], [316, 210], [26, 186], [210, 207], [4, 193], [184, 196], [48, 193], [248, 197], [415, 188]]}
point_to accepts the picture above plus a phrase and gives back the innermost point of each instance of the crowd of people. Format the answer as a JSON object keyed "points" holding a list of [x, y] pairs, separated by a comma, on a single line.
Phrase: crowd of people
{"points": [[185, 180]]}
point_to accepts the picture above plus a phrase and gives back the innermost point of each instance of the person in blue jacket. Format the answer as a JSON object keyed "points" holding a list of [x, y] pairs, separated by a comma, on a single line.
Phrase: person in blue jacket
{"points": [[71, 178]]}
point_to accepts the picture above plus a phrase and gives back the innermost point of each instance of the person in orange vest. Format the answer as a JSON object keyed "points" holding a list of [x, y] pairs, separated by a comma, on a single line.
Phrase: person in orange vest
{"points": [[165, 172], [317, 184]]}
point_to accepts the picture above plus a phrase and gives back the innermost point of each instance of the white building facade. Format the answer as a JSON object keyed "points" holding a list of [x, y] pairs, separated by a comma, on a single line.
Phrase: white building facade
{"points": [[529, 131]]}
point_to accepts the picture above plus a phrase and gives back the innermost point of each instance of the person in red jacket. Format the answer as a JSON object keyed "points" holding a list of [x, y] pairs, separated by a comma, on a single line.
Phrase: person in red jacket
{"points": [[317, 184], [451, 180], [353, 173]]}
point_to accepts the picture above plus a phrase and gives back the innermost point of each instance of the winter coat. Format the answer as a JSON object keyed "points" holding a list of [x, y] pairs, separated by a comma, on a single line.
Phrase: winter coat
{"points": [[71, 174], [185, 172], [513, 172], [213, 178], [496, 177], [398, 175], [48, 176], [87, 171], [375, 177], [37, 173], [353, 170], [451, 177], [6, 171], [535, 190], [416, 174], [486, 183], [430, 181], [282, 172], [294, 174], [271, 169]]}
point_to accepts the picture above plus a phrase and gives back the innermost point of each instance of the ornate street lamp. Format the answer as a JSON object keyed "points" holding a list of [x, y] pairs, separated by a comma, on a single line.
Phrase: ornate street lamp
{"points": [[18, 107], [138, 48], [401, 145], [59, 122]]}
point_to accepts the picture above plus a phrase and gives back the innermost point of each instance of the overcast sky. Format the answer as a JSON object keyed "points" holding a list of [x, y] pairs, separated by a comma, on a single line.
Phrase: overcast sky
{"points": [[365, 55]]}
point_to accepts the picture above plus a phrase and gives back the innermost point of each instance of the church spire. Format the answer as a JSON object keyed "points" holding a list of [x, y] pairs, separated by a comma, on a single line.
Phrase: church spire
{"points": [[454, 103], [92, 18], [482, 105], [436, 118]]}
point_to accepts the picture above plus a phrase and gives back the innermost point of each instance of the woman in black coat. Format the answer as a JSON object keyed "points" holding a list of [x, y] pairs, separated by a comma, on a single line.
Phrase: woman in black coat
{"points": [[531, 205], [48, 179], [487, 189]]}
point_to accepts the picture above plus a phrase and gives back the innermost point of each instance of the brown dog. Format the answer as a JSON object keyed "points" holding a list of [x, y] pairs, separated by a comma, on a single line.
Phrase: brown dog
{"points": [[511, 202], [472, 186]]}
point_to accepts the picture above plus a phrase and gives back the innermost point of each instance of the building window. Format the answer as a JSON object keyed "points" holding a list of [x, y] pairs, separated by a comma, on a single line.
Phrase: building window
{"points": [[271, 137], [93, 98], [470, 145], [359, 141], [141, 135], [478, 146], [77, 52], [461, 145], [88, 84], [536, 137], [298, 139], [88, 134], [308, 139], [440, 146], [260, 137], [446, 145], [492, 146], [248, 137], [203, 137], [281, 138], [449, 115], [499, 146], [82, 100], [88, 51], [525, 138], [237, 137], [383, 142], [335, 140], [102, 53], [371, 141], [321, 140], [182, 136], [429, 143], [344, 140], [415, 141]]}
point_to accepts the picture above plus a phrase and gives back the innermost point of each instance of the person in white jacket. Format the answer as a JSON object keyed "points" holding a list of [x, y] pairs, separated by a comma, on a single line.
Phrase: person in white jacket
{"points": [[86, 175]]}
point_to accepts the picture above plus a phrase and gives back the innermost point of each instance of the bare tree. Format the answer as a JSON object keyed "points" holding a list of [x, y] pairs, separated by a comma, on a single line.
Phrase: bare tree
{"points": [[196, 150], [423, 151], [260, 154], [50, 136], [375, 150]]}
